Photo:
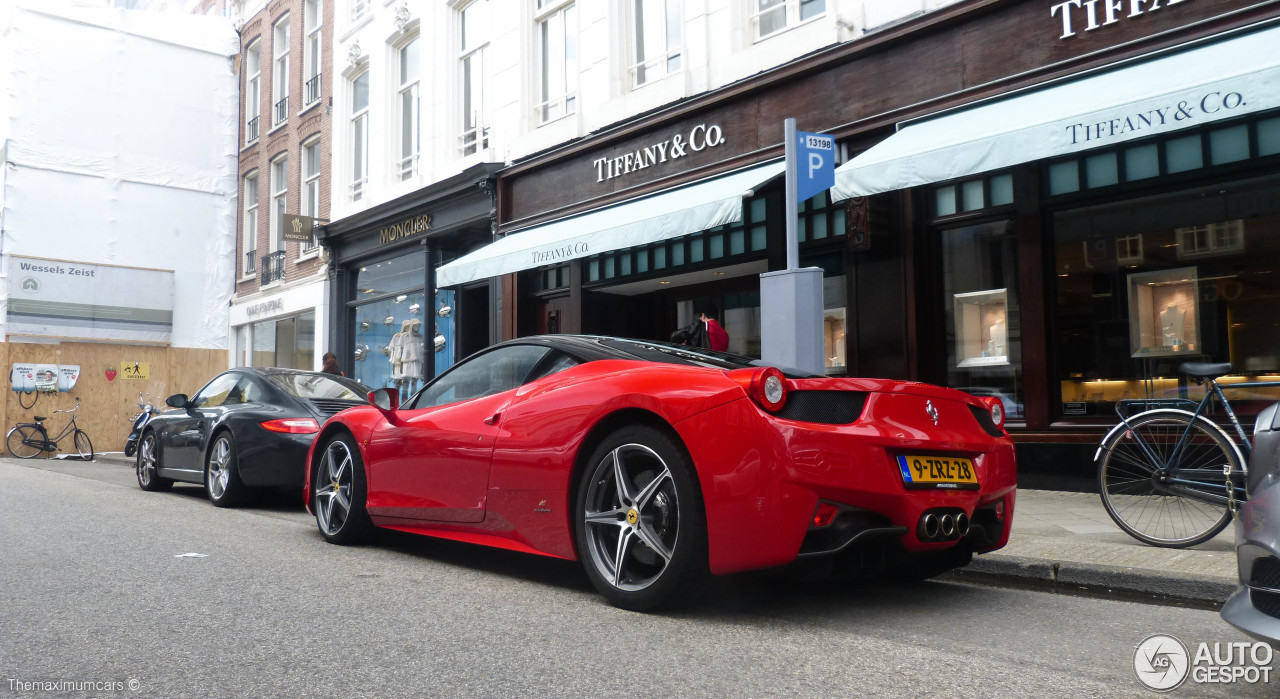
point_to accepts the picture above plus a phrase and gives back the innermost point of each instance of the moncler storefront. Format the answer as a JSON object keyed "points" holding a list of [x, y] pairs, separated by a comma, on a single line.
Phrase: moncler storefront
{"points": [[389, 327], [1058, 221]]}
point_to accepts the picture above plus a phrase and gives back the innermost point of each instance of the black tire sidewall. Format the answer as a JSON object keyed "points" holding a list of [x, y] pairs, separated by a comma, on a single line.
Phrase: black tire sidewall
{"points": [[687, 572]]}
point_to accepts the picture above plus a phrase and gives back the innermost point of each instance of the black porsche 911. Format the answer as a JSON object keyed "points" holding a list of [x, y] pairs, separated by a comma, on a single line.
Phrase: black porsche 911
{"points": [[247, 428]]}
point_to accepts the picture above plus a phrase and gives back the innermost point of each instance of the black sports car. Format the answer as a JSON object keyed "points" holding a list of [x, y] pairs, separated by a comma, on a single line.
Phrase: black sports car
{"points": [[247, 428]]}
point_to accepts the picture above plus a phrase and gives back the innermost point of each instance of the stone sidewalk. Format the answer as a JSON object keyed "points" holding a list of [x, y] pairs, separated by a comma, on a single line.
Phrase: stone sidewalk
{"points": [[1066, 541]]}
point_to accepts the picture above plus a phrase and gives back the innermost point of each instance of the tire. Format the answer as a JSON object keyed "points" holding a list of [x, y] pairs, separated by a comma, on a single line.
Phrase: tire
{"points": [[148, 465], [339, 491], [222, 473], [640, 522], [22, 401], [83, 445], [1149, 512], [17, 438]]}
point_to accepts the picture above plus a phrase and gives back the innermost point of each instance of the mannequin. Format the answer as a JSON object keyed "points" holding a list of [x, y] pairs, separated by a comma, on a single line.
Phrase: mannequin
{"points": [[1172, 321], [998, 337], [411, 350]]}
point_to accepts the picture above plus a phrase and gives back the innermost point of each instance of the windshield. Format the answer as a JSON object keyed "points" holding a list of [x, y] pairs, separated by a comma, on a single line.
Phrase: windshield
{"points": [[304, 385], [693, 356]]}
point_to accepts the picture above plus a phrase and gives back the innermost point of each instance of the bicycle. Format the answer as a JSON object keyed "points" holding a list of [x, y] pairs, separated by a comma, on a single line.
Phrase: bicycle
{"points": [[1168, 475], [28, 439]]}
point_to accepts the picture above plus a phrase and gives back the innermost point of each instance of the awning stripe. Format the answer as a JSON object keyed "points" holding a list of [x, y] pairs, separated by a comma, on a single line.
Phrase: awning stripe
{"points": [[1222, 80], [669, 214]]}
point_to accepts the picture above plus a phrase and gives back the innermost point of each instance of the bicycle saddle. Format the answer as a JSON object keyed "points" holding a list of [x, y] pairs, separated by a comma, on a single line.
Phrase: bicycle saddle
{"points": [[1205, 370], [40, 419]]}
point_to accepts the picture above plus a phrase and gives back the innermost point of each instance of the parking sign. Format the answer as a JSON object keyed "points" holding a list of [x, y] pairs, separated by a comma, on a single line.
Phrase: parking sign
{"points": [[816, 164]]}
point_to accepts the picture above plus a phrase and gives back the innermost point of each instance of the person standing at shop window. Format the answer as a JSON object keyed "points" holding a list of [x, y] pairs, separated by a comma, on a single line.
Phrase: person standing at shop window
{"points": [[717, 338], [331, 364]]}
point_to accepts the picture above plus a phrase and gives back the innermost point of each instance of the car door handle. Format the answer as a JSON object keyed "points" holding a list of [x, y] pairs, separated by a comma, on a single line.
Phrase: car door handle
{"points": [[493, 419]]}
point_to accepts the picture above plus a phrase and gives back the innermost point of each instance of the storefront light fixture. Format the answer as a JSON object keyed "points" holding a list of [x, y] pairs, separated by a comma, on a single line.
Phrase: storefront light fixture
{"points": [[664, 283]]}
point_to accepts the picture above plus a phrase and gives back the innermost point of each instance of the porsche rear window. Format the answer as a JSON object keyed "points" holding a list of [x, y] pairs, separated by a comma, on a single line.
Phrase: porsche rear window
{"points": [[315, 386]]}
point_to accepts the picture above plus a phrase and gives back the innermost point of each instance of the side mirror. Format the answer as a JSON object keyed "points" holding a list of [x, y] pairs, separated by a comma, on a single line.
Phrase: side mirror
{"points": [[177, 400], [385, 399]]}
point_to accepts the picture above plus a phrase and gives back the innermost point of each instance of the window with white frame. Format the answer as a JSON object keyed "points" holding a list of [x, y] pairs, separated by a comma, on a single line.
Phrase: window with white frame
{"points": [[249, 265], [279, 200], [409, 63], [557, 28], [252, 90], [773, 16], [359, 8], [473, 23], [311, 61], [359, 136], [310, 187], [280, 73], [656, 32]]}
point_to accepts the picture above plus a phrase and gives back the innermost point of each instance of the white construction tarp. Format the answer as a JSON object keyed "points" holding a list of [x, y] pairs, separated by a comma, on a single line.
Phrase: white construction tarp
{"points": [[120, 131], [1180, 90], [670, 214]]}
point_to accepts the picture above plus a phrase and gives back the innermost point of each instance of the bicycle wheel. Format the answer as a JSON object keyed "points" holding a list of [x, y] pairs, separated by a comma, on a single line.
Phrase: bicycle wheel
{"points": [[19, 441], [83, 445], [1180, 511]]}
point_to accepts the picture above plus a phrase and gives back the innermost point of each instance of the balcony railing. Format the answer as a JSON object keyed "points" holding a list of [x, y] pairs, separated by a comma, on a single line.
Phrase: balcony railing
{"points": [[251, 130], [250, 262], [311, 90], [356, 189], [358, 9], [282, 111], [406, 168], [273, 267]]}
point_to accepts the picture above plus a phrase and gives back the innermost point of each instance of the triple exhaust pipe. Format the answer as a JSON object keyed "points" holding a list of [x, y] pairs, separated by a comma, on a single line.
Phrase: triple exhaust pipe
{"points": [[942, 525]]}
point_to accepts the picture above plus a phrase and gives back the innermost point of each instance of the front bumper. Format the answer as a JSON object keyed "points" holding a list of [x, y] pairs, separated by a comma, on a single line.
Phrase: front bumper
{"points": [[1256, 611], [762, 479]]}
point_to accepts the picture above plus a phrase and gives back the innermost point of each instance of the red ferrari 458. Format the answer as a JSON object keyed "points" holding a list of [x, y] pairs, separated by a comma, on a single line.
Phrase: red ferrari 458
{"points": [[659, 465]]}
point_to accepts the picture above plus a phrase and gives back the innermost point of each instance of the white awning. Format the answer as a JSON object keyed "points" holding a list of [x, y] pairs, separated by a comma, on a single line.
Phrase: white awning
{"points": [[669, 214], [1181, 90]]}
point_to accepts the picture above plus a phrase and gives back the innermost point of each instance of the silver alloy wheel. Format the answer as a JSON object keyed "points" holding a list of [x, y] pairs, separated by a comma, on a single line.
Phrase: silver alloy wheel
{"points": [[219, 467], [147, 460], [333, 487], [632, 517]]}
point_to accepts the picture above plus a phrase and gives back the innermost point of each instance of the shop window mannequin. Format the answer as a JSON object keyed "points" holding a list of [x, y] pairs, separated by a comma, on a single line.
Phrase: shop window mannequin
{"points": [[405, 354]]}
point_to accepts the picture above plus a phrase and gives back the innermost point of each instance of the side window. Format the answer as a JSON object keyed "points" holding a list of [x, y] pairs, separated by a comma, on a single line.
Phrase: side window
{"points": [[215, 393], [553, 365], [492, 372], [247, 391]]}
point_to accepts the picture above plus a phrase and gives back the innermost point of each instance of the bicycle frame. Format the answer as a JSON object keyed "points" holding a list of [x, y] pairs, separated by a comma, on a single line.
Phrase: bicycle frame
{"points": [[1215, 391], [51, 444]]}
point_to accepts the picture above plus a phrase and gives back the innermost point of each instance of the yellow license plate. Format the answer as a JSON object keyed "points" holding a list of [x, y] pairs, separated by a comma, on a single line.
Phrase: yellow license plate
{"points": [[937, 472]]}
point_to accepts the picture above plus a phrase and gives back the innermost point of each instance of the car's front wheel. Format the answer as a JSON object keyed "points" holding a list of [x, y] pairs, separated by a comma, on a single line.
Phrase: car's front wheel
{"points": [[149, 464], [640, 521], [338, 493]]}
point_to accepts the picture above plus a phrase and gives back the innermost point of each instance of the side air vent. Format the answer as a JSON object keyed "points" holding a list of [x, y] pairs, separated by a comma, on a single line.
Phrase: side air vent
{"points": [[826, 407], [330, 407]]}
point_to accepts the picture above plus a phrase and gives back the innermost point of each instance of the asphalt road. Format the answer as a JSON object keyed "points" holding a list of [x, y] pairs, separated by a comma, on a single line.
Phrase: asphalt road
{"points": [[91, 590]]}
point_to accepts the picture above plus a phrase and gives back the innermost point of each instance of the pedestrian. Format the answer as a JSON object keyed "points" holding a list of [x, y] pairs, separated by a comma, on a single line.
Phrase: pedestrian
{"points": [[331, 364], [717, 338]]}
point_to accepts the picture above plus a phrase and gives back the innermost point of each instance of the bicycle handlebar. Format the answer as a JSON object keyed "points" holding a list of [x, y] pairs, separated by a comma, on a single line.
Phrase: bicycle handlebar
{"points": [[72, 410]]}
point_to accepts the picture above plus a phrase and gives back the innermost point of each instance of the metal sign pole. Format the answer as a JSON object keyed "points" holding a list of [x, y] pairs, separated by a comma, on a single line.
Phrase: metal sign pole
{"points": [[792, 207]]}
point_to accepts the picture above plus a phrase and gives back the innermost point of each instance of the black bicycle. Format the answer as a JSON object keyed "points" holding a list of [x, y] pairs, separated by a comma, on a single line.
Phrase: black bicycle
{"points": [[1169, 476], [28, 440]]}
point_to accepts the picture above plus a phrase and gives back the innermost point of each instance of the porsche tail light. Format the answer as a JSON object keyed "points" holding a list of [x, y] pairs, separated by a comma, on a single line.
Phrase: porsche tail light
{"points": [[996, 407], [292, 425], [766, 386]]}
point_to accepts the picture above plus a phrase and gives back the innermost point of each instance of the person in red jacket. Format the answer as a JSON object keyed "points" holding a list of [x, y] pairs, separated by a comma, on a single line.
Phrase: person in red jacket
{"points": [[718, 338]]}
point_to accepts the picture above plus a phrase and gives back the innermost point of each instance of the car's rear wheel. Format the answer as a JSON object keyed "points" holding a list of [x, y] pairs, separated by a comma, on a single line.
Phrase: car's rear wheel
{"points": [[339, 492], [222, 473], [148, 465], [640, 521]]}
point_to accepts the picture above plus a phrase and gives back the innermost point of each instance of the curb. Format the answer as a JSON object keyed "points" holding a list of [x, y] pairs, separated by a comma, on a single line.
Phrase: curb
{"points": [[1072, 577]]}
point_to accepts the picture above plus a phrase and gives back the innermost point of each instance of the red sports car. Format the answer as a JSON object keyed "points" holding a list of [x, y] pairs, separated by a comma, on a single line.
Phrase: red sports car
{"points": [[659, 465]]}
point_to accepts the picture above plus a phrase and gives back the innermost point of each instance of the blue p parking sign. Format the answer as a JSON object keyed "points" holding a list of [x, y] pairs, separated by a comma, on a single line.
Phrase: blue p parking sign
{"points": [[816, 164]]}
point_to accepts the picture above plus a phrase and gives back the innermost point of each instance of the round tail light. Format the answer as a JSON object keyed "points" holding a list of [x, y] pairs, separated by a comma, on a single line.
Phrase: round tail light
{"points": [[996, 406]]}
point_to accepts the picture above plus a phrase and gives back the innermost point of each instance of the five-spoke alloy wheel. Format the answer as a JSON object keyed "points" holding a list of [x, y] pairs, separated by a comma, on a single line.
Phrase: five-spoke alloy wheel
{"points": [[221, 477], [148, 476], [338, 493], [640, 522]]}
